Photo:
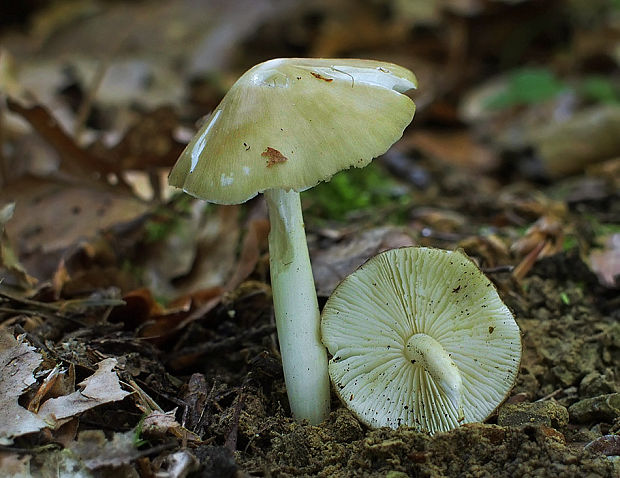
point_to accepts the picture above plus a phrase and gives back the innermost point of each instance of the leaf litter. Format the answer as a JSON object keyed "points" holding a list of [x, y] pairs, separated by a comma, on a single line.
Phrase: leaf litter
{"points": [[19, 361]]}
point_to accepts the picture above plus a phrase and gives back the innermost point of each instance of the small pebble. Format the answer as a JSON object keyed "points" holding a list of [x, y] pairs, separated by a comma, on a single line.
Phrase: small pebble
{"points": [[604, 408], [548, 413]]}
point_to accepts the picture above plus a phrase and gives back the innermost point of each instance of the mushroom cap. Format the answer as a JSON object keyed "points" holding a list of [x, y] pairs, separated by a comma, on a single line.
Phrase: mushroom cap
{"points": [[372, 316], [290, 123]]}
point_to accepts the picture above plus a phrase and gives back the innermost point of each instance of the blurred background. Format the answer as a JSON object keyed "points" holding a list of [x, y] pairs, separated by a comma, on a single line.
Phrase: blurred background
{"points": [[518, 123]]}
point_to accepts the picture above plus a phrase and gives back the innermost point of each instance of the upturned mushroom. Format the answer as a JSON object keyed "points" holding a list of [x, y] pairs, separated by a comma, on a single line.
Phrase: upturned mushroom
{"points": [[284, 126], [420, 337]]}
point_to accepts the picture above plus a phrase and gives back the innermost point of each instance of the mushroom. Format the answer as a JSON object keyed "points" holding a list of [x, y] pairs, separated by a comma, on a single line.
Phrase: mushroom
{"points": [[420, 337], [284, 126]]}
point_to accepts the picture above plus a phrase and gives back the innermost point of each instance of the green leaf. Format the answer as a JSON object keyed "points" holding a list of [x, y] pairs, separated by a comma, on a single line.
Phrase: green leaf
{"points": [[525, 87], [600, 89]]}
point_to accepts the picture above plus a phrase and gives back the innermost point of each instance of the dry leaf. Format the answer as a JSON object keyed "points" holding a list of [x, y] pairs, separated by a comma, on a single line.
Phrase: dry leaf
{"points": [[606, 262], [150, 142], [158, 424], [53, 216], [8, 258], [254, 241], [44, 389], [17, 362], [74, 159], [201, 260], [608, 445], [181, 464], [14, 465], [331, 265], [95, 451], [544, 238], [458, 148], [101, 387], [588, 137]]}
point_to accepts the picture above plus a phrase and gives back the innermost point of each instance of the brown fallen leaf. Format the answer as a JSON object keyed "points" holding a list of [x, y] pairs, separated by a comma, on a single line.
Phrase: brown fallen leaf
{"points": [[608, 445], [17, 364], [12, 270], [101, 387], [158, 424], [75, 160], [52, 216], [254, 242], [458, 148], [588, 137], [438, 220], [544, 238], [201, 259], [15, 465], [156, 323], [94, 450], [150, 142], [490, 249], [44, 389], [332, 264], [353, 29], [18, 360], [139, 307], [605, 262]]}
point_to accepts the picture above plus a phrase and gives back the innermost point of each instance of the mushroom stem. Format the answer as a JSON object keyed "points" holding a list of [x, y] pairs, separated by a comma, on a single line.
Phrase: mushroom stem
{"points": [[304, 357], [428, 353]]}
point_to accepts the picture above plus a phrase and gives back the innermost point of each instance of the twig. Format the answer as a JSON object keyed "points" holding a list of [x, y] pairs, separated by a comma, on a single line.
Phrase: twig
{"points": [[498, 269], [231, 437], [551, 395]]}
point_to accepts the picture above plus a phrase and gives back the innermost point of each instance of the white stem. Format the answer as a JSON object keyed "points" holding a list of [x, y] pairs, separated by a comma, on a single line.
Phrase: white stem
{"points": [[428, 353], [304, 357]]}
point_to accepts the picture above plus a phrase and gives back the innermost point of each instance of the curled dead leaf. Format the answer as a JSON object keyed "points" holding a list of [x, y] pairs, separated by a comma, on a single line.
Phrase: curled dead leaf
{"points": [[18, 360]]}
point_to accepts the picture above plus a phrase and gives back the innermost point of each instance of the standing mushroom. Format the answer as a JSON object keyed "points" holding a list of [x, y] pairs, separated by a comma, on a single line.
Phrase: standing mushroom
{"points": [[420, 337], [284, 126]]}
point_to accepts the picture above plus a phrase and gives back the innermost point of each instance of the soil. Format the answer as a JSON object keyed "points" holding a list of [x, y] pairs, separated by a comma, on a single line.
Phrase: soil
{"points": [[569, 354]]}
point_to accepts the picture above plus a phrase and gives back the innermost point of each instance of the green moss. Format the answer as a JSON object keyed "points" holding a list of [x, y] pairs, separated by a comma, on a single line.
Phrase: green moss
{"points": [[355, 190], [138, 441], [605, 229], [570, 242], [165, 219]]}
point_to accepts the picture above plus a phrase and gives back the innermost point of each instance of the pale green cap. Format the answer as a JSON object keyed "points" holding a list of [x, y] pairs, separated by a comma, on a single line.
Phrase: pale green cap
{"points": [[291, 123]]}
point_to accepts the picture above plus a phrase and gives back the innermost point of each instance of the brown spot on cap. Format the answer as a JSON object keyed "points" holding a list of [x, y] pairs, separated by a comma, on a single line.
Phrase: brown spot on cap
{"points": [[273, 157], [321, 77]]}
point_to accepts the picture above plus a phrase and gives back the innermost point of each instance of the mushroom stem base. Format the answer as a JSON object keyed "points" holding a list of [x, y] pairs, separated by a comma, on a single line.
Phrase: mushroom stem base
{"points": [[304, 357]]}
